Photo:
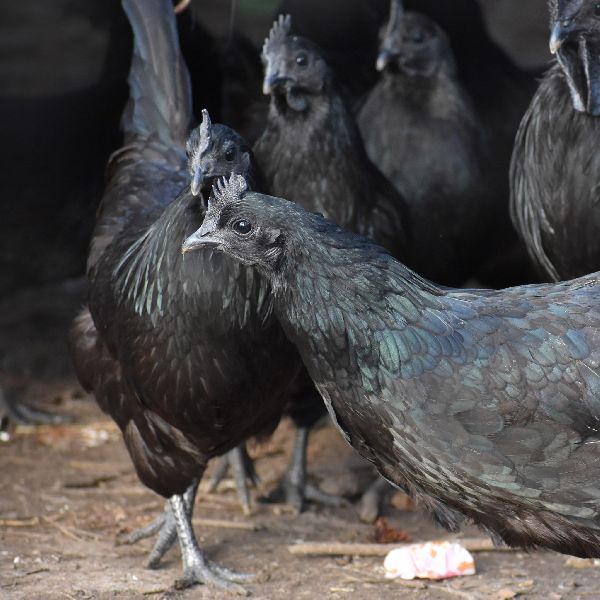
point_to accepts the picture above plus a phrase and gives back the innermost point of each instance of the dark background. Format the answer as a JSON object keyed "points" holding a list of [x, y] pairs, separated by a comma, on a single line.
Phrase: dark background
{"points": [[63, 69]]}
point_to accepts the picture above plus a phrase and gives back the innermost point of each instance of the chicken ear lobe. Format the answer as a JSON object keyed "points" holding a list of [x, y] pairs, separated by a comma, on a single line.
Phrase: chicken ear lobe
{"points": [[590, 54]]}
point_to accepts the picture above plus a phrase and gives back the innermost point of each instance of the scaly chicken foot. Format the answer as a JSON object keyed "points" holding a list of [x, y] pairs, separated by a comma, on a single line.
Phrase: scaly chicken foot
{"points": [[196, 567], [293, 489], [166, 528]]}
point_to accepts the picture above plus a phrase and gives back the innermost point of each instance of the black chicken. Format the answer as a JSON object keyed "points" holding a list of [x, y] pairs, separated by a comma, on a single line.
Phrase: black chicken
{"points": [[311, 151], [182, 353], [500, 89], [221, 152], [346, 32], [555, 169], [501, 92], [421, 129], [484, 404]]}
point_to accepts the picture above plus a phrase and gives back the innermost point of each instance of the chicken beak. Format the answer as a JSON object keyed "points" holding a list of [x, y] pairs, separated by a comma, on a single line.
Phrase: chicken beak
{"points": [[196, 241], [271, 82], [202, 238], [383, 59], [197, 181], [557, 37]]}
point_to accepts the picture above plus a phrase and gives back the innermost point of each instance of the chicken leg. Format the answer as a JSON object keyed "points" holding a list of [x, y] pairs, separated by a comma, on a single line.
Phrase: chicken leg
{"points": [[165, 526], [196, 567], [244, 473]]}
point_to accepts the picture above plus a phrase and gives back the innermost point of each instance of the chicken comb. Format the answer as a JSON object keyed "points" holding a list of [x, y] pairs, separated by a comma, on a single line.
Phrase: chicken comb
{"points": [[205, 127], [396, 14], [229, 190], [280, 30]]}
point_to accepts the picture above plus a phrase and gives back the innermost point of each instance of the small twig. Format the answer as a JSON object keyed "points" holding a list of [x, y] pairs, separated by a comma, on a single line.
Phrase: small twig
{"points": [[155, 591], [120, 491], [372, 580], [94, 482], [26, 534], [246, 526], [91, 465], [152, 505], [32, 522], [345, 549], [63, 530], [70, 531], [55, 499], [34, 571], [109, 426], [217, 499]]}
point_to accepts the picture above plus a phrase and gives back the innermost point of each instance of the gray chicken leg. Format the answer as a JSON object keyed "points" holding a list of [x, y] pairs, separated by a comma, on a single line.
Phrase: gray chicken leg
{"points": [[244, 474], [196, 567], [293, 489], [165, 526]]}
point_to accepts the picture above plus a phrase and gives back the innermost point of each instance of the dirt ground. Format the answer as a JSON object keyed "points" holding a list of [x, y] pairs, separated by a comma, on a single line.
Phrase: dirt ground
{"points": [[68, 491]]}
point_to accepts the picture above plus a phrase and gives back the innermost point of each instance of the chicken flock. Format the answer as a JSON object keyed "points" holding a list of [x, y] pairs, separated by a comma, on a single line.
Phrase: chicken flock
{"points": [[318, 252]]}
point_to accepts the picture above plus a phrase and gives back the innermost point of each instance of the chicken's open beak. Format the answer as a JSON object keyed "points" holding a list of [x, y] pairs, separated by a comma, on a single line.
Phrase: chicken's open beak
{"points": [[199, 239], [559, 35]]}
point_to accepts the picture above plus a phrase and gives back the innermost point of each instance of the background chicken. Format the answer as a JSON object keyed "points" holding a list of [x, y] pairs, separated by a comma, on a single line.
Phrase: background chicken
{"points": [[555, 168], [311, 151], [225, 152], [421, 129]]}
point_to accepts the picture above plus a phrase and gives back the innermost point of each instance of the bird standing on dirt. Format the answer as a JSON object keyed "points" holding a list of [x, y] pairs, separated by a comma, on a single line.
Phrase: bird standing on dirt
{"points": [[182, 351], [311, 151], [555, 170], [484, 404], [421, 129]]}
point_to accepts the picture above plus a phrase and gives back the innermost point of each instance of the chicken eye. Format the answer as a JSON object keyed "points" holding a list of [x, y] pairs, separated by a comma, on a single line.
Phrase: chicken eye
{"points": [[242, 227], [229, 154], [302, 60], [417, 37]]}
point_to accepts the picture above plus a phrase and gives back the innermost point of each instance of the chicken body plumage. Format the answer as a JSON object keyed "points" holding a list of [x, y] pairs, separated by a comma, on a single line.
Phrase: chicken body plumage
{"points": [[182, 351], [554, 181], [484, 404]]}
